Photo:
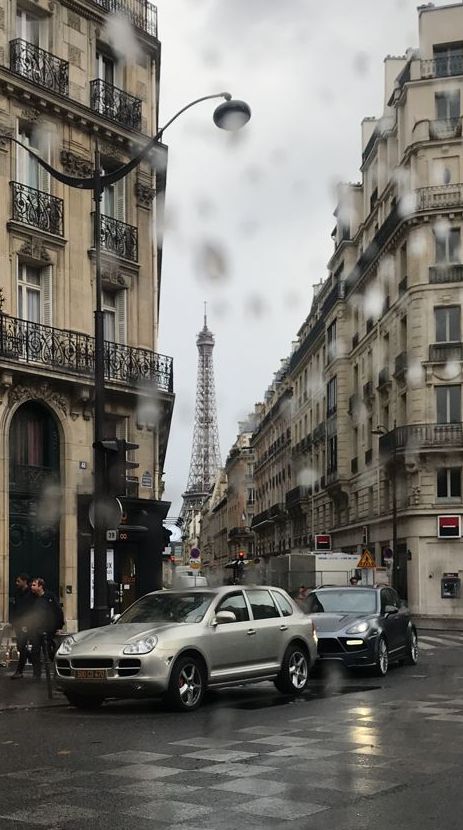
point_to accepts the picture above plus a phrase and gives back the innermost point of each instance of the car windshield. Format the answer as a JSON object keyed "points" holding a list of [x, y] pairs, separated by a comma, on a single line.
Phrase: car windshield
{"points": [[344, 601], [185, 607]]}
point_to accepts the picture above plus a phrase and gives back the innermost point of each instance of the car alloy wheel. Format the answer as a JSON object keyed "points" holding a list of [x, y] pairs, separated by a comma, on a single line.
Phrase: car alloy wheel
{"points": [[187, 684], [412, 651], [382, 658], [294, 674]]}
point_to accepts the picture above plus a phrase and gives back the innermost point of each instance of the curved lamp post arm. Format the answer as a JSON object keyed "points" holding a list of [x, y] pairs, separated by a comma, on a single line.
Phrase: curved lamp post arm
{"points": [[111, 178]]}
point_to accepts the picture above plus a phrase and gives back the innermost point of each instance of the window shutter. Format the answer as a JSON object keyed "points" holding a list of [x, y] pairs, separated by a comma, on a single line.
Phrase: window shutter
{"points": [[119, 200], [44, 176], [121, 316], [46, 294], [21, 157]]}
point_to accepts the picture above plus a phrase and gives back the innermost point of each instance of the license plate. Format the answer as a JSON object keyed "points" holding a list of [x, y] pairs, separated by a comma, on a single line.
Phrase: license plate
{"points": [[90, 674]]}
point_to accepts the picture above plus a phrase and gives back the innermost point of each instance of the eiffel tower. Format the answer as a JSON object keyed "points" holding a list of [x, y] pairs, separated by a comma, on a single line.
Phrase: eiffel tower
{"points": [[205, 453]]}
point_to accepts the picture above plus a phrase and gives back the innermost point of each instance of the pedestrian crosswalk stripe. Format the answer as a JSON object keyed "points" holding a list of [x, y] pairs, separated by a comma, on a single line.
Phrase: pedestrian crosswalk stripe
{"points": [[441, 641], [424, 646]]}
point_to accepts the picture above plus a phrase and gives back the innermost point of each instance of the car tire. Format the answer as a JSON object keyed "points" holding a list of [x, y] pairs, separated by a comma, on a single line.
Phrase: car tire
{"points": [[411, 657], [187, 684], [382, 657], [294, 673], [84, 701]]}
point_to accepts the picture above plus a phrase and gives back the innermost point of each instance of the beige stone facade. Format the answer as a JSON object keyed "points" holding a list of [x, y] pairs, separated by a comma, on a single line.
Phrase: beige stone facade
{"points": [[62, 88], [374, 379]]}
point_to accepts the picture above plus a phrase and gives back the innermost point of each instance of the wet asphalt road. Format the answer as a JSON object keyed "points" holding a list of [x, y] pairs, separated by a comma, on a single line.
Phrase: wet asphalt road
{"points": [[354, 752]]}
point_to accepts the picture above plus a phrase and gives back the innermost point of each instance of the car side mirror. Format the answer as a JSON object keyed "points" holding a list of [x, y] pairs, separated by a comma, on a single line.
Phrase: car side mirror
{"points": [[390, 609], [224, 617], [115, 619]]}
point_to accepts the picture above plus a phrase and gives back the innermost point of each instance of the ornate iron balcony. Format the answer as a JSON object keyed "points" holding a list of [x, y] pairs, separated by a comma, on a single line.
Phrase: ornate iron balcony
{"points": [[39, 66], [34, 207], [444, 128], [418, 437], [115, 104], [141, 13], [442, 352], [442, 67], [118, 238], [446, 273], [71, 351]]}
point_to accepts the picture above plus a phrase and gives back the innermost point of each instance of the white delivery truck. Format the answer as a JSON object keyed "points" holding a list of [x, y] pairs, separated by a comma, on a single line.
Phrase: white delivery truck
{"points": [[311, 569]]}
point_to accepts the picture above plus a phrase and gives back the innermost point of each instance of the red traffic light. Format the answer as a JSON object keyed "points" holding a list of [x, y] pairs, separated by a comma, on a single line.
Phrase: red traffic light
{"points": [[241, 555]]}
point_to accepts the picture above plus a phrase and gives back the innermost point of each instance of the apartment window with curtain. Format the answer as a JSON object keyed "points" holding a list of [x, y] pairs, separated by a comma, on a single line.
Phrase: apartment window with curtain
{"points": [[28, 170], [114, 305], [448, 404], [448, 327], [105, 68], [331, 397], [114, 199], [331, 341], [447, 105], [448, 246], [34, 287], [31, 28], [449, 483], [448, 58], [332, 454]]}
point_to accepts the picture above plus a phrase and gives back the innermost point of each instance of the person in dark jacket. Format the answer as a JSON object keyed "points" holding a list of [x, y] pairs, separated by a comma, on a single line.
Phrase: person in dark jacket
{"points": [[47, 620], [21, 620]]}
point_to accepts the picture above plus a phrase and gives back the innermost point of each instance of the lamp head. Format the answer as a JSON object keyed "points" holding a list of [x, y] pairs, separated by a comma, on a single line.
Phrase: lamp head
{"points": [[232, 114]]}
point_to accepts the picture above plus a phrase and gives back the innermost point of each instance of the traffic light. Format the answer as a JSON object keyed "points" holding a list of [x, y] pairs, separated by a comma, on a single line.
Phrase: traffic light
{"points": [[241, 555], [116, 464]]}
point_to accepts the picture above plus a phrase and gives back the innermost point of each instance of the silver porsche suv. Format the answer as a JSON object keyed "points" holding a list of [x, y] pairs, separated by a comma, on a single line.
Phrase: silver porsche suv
{"points": [[179, 643]]}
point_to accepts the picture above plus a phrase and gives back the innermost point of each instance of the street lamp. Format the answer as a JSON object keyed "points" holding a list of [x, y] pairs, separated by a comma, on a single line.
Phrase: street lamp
{"points": [[230, 115], [382, 430]]}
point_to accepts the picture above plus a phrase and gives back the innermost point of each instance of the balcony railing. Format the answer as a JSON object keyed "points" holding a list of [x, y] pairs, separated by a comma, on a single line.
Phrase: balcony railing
{"points": [[444, 128], [442, 67], [118, 238], [442, 352], [141, 13], [445, 195], [446, 273], [416, 437], [115, 104], [71, 351], [39, 66], [34, 207]]}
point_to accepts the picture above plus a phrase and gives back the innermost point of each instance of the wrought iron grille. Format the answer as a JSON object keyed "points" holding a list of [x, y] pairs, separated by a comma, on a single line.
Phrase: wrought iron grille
{"points": [[142, 13], [39, 66], [118, 238], [444, 67], [34, 207], [71, 351], [420, 436], [115, 104]]}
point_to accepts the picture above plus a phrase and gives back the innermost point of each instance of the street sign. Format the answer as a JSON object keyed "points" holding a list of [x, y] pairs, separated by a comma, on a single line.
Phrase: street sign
{"points": [[366, 560], [322, 541], [111, 512], [194, 564], [449, 527], [111, 535], [195, 553]]}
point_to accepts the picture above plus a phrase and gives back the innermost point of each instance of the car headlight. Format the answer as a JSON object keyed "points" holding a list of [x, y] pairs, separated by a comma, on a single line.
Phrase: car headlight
{"points": [[66, 645], [359, 628], [143, 646]]}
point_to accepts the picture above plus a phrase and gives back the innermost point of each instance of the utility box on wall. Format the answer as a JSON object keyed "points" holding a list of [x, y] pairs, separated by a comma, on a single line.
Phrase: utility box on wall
{"points": [[450, 586]]}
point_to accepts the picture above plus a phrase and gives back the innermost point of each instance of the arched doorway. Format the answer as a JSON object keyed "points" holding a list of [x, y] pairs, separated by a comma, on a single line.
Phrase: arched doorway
{"points": [[34, 495]]}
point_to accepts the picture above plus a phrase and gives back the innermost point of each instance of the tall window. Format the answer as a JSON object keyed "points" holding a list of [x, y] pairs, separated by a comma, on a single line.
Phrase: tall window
{"points": [[447, 105], [331, 397], [113, 200], [28, 170], [449, 483], [30, 28], [331, 341], [448, 324], [114, 311], [35, 294], [105, 68], [448, 246], [448, 404], [332, 454], [448, 58]]}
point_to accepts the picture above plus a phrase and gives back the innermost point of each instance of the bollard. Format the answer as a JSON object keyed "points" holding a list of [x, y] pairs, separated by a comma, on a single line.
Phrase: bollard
{"points": [[46, 660]]}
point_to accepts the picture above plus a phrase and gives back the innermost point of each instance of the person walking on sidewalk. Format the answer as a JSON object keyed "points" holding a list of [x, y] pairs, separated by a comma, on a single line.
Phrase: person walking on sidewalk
{"points": [[21, 620], [47, 620]]}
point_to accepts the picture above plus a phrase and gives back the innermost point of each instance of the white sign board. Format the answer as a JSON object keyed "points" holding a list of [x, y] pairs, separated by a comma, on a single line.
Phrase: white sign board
{"points": [[109, 572]]}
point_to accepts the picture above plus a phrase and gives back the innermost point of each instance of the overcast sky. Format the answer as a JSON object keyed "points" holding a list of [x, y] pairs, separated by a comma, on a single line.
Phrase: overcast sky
{"points": [[249, 215]]}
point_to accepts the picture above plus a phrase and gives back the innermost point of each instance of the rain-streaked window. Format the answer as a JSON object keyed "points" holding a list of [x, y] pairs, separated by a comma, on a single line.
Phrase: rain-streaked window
{"points": [[448, 246], [448, 404], [448, 324]]}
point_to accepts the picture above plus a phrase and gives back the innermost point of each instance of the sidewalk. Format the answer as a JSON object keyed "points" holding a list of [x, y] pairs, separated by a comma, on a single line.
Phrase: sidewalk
{"points": [[24, 694], [424, 623]]}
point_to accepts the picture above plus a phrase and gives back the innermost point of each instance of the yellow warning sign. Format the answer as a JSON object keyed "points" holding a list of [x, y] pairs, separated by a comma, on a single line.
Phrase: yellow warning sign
{"points": [[366, 560]]}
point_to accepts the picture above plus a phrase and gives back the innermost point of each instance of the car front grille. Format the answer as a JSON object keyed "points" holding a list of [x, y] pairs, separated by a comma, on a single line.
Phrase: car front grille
{"points": [[329, 645], [91, 663], [63, 667]]}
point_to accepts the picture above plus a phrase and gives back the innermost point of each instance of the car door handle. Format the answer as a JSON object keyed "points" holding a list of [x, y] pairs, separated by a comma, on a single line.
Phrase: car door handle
{"points": [[283, 627], [251, 631]]}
